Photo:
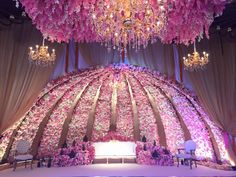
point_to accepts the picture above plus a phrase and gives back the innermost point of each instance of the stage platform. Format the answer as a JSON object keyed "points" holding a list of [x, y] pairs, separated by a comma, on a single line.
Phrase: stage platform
{"points": [[109, 160], [116, 170]]}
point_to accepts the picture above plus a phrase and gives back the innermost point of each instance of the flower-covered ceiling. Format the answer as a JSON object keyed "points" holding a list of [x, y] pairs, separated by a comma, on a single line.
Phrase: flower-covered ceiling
{"points": [[91, 20], [131, 101]]}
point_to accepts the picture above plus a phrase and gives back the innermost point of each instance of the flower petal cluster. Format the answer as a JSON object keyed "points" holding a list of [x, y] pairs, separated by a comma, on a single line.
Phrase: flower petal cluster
{"points": [[62, 20]]}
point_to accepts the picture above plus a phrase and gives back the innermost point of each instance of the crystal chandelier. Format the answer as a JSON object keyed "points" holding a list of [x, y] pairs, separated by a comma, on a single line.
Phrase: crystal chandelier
{"points": [[195, 61], [41, 56], [132, 23]]}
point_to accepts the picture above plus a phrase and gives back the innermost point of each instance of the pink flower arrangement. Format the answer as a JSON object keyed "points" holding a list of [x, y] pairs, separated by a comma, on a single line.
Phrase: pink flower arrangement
{"points": [[150, 154], [173, 131], [54, 126], [190, 19], [215, 130], [80, 153], [64, 20], [32, 120], [4, 140]]}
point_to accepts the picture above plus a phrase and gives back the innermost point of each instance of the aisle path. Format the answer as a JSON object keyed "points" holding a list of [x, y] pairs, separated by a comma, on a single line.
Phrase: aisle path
{"points": [[115, 170]]}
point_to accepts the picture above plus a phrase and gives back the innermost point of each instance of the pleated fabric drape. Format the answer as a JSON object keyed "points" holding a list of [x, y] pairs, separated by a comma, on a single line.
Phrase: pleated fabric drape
{"points": [[20, 81], [157, 56], [215, 86]]}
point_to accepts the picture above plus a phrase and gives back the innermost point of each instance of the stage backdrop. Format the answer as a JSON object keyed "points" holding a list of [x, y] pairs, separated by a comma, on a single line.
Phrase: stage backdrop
{"points": [[21, 82]]}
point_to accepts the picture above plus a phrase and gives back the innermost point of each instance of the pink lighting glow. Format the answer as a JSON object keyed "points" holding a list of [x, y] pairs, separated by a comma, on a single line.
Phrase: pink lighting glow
{"points": [[131, 101]]}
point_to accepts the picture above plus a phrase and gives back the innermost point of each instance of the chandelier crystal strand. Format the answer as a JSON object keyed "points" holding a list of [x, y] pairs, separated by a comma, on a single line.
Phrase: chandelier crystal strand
{"points": [[40, 55], [195, 61], [128, 22]]}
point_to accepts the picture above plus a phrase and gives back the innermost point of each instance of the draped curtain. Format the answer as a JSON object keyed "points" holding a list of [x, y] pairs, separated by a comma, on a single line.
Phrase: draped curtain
{"points": [[20, 82], [157, 56], [215, 86]]}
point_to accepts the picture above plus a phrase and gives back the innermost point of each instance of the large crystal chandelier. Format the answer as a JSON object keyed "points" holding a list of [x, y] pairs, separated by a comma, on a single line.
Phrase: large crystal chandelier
{"points": [[41, 56], [132, 23], [195, 61]]}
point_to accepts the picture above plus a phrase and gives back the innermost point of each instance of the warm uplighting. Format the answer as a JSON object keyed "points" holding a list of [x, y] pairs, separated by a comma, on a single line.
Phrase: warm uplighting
{"points": [[195, 61], [231, 161], [132, 23], [41, 56]]}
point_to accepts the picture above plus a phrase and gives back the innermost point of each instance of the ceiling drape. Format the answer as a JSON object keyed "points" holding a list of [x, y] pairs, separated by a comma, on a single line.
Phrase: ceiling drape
{"points": [[20, 82]]}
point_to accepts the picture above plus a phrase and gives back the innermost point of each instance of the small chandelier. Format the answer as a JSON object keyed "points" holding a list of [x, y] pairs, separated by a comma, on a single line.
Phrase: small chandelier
{"points": [[128, 22], [195, 61], [40, 55]]}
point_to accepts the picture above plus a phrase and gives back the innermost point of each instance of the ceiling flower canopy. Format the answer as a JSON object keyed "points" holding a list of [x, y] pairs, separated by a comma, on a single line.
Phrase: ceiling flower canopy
{"points": [[123, 22], [132, 22]]}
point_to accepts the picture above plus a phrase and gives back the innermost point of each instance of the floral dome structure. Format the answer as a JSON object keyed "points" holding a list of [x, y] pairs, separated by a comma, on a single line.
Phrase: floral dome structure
{"points": [[130, 101]]}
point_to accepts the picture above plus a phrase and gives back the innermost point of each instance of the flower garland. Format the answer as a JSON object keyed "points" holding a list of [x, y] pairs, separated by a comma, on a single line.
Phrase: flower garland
{"points": [[62, 20]]}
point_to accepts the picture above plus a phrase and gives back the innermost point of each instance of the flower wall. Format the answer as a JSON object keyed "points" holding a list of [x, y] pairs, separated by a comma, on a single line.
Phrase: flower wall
{"points": [[112, 101], [173, 130], [196, 127], [124, 110], [147, 120], [102, 121], [78, 125]]}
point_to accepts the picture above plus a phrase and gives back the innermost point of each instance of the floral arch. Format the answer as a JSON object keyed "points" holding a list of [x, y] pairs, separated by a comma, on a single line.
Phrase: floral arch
{"points": [[131, 101]]}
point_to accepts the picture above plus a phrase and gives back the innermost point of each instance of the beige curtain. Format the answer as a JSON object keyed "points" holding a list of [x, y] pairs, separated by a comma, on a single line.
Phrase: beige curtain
{"points": [[94, 54], [215, 86], [20, 82], [157, 56]]}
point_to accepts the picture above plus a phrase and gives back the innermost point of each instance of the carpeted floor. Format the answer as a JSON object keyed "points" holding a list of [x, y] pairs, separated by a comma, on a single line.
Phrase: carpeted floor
{"points": [[115, 170]]}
